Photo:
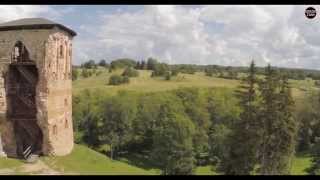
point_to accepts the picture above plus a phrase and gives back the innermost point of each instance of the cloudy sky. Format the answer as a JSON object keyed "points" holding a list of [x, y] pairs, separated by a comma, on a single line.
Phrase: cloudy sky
{"points": [[215, 34]]}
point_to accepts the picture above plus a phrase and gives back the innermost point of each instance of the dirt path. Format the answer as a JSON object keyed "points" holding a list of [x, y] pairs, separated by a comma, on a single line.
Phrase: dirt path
{"points": [[38, 168]]}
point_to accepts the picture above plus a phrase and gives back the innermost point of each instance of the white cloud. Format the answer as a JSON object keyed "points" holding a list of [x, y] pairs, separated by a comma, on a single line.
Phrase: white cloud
{"points": [[227, 35], [280, 35], [9, 12]]}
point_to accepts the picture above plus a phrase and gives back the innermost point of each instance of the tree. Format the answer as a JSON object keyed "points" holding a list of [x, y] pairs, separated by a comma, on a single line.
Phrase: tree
{"points": [[195, 107], [151, 63], [89, 64], [130, 72], [122, 63], [244, 140], [102, 63], [160, 69], [309, 119], [85, 73], [278, 139], [175, 72], [87, 117], [74, 74], [218, 148], [138, 66], [117, 79], [172, 142], [119, 113], [168, 76], [143, 65], [315, 167], [289, 126]]}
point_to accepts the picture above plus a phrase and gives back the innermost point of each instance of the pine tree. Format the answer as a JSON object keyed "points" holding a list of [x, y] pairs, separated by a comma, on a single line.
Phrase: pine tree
{"points": [[137, 65], [246, 132], [287, 129], [143, 65], [315, 167], [279, 125]]}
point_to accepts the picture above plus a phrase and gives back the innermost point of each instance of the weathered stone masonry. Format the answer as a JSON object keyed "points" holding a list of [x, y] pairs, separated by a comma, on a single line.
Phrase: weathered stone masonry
{"points": [[49, 47]]}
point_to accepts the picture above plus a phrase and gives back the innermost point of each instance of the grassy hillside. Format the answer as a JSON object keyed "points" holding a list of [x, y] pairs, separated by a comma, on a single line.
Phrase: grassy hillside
{"points": [[9, 163], [86, 161], [147, 84]]}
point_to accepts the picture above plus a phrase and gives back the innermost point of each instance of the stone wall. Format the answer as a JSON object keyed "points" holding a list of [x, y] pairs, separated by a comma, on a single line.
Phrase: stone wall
{"points": [[59, 100], [54, 95]]}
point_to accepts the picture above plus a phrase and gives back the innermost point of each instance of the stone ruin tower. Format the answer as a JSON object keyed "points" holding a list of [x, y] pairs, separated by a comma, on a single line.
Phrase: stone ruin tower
{"points": [[35, 88]]}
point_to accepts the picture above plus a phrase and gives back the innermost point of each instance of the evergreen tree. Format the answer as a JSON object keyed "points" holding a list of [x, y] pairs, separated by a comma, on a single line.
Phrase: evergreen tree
{"points": [[143, 65], [315, 167], [287, 129], [279, 125], [246, 132], [138, 65]]}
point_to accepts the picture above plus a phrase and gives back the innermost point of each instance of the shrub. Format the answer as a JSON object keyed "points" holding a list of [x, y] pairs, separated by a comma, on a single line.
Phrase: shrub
{"points": [[175, 72], [130, 72], [74, 74], [168, 75], [117, 80], [125, 79], [160, 70]]}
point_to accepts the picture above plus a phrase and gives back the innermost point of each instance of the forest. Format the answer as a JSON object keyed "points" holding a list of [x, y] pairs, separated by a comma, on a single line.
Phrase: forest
{"points": [[256, 127]]}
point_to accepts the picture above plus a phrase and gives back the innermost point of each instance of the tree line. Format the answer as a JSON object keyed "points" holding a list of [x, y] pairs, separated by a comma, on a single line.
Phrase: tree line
{"points": [[253, 130]]}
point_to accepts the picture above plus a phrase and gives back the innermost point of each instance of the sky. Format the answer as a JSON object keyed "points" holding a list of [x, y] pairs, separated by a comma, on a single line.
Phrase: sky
{"points": [[230, 35]]}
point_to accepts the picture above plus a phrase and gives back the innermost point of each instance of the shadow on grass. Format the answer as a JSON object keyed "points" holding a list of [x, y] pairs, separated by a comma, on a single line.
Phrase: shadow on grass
{"points": [[139, 160]]}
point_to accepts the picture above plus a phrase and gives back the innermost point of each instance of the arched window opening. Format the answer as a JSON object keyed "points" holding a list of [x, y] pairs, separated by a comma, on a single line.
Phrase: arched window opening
{"points": [[55, 130], [20, 53], [66, 124], [61, 51]]}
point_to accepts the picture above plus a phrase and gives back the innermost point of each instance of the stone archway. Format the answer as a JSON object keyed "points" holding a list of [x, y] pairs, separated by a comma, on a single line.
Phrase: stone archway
{"points": [[21, 85]]}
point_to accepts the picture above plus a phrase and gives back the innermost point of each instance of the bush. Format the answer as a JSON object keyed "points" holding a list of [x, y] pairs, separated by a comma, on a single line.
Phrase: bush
{"points": [[74, 74], [168, 76], [122, 63], [98, 73], [89, 64], [125, 79], [117, 80], [85, 73], [160, 70], [130, 72], [175, 72]]}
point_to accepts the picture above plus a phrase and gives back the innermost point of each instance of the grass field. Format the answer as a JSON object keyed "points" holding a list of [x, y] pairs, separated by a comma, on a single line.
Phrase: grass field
{"points": [[147, 84], [86, 161], [144, 83], [300, 164], [9, 163]]}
